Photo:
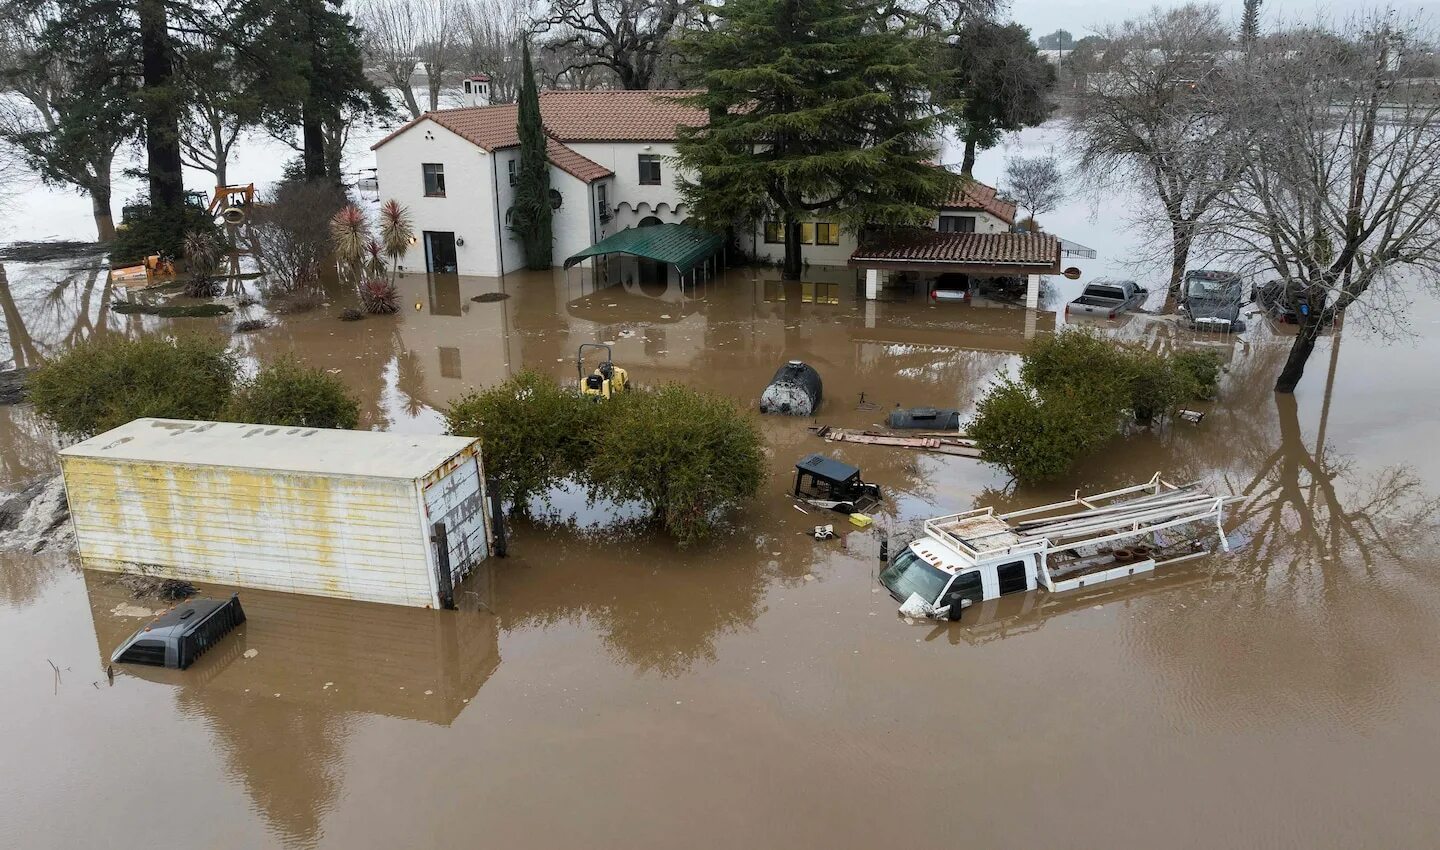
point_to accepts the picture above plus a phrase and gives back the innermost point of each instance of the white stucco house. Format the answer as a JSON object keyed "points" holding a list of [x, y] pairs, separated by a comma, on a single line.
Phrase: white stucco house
{"points": [[612, 168]]}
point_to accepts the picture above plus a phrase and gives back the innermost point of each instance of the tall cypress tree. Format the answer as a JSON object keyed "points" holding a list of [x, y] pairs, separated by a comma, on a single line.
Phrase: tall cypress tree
{"points": [[531, 220], [1250, 22], [815, 111]]}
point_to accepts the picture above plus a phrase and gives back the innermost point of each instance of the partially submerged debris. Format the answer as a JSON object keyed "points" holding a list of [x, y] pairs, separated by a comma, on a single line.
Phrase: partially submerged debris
{"points": [[350, 314], [172, 311], [143, 586], [922, 418], [250, 325], [945, 444], [488, 297], [794, 391], [35, 519]]}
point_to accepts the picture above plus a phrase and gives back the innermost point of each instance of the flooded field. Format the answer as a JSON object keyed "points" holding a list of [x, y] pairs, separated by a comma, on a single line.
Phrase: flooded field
{"points": [[760, 691]]}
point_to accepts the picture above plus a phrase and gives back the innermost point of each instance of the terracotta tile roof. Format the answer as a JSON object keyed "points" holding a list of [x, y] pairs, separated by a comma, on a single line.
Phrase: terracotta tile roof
{"points": [[974, 195], [603, 115], [572, 163], [983, 249]]}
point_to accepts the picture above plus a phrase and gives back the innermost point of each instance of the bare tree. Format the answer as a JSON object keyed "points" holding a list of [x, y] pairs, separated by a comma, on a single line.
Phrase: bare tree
{"points": [[391, 43], [1146, 119], [223, 106], [1035, 182], [489, 36], [630, 38], [1340, 190]]}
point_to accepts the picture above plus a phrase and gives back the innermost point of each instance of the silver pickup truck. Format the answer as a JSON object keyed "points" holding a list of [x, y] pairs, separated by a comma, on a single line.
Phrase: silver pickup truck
{"points": [[1107, 298]]}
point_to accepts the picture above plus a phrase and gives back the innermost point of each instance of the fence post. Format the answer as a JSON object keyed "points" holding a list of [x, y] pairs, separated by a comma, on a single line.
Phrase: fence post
{"points": [[441, 541]]}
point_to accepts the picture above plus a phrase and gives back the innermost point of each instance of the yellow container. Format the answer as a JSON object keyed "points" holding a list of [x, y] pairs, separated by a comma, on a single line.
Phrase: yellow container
{"points": [[861, 520]]}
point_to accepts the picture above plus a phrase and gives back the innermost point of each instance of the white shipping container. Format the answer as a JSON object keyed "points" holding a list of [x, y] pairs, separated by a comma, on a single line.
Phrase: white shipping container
{"points": [[347, 514]]}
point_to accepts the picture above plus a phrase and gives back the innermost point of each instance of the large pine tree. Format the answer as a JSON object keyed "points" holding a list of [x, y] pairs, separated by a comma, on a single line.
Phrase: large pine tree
{"points": [[531, 220], [814, 111]]}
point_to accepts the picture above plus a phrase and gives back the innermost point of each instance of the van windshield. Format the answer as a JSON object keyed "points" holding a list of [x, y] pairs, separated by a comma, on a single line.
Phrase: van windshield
{"points": [[910, 574]]}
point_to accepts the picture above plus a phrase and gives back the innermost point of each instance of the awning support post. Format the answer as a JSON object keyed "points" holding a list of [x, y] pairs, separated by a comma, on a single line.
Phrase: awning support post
{"points": [[872, 284], [1032, 291]]}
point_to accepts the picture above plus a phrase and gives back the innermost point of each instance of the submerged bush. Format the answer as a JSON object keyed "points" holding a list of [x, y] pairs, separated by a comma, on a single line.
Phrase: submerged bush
{"points": [[1156, 387], [147, 230], [379, 296], [103, 383], [689, 456], [1037, 437], [1202, 368], [288, 392], [534, 432]]}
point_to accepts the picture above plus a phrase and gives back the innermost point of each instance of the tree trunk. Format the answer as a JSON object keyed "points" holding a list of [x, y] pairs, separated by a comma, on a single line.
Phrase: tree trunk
{"points": [[1300, 352], [433, 81], [791, 269], [161, 109], [408, 92], [104, 219], [967, 165], [312, 141], [1181, 237]]}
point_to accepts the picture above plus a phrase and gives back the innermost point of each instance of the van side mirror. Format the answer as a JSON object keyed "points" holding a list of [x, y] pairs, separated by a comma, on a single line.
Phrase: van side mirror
{"points": [[956, 607]]}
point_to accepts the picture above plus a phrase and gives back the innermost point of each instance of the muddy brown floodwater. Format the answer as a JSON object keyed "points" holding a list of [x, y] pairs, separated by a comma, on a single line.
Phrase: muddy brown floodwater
{"points": [[759, 690]]}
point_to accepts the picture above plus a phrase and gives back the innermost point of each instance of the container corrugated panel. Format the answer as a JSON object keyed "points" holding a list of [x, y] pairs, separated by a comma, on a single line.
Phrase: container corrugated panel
{"points": [[300, 516]]}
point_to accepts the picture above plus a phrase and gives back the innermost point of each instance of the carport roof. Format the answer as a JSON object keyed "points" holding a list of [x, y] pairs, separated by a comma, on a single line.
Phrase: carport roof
{"points": [[1004, 253], [679, 245]]}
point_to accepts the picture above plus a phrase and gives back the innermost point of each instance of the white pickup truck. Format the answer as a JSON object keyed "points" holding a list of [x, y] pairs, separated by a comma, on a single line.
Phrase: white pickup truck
{"points": [[966, 558], [1108, 298]]}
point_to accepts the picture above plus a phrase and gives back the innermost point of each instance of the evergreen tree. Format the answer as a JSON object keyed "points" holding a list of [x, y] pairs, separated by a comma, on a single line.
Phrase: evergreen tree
{"points": [[1250, 22], [1000, 81], [814, 111], [531, 220]]}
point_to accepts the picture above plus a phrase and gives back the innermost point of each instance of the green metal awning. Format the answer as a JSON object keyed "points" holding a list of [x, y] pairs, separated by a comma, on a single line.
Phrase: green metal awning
{"points": [[679, 245]]}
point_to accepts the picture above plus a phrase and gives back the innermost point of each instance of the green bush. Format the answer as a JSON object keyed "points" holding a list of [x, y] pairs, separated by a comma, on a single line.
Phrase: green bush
{"points": [[290, 393], [1202, 368], [689, 456], [1074, 360], [1035, 437], [534, 432], [1156, 386], [103, 383]]}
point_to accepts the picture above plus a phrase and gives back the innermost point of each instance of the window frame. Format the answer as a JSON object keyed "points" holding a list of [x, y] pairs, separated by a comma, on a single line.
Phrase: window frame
{"points": [[831, 228], [434, 170], [960, 220], [779, 232], [512, 168], [647, 159]]}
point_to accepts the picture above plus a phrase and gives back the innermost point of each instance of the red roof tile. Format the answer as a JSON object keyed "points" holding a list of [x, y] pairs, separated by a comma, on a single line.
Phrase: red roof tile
{"points": [[602, 115], [984, 249], [974, 195], [572, 163]]}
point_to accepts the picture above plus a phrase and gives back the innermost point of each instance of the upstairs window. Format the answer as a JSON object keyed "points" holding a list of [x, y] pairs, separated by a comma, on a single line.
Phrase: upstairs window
{"points": [[649, 169], [434, 179], [602, 201], [514, 169], [957, 224]]}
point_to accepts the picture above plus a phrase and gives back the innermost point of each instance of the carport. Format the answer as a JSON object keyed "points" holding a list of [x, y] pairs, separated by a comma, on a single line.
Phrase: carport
{"points": [[679, 246], [974, 255]]}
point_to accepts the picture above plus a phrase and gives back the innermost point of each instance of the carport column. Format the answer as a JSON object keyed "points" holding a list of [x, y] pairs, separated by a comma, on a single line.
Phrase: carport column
{"points": [[872, 284], [1032, 291]]}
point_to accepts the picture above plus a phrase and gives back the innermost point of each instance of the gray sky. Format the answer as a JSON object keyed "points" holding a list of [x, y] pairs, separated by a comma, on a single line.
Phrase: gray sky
{"points": [[1083, 17]]}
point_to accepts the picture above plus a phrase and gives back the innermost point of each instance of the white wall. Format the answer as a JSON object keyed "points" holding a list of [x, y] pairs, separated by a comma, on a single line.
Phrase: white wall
{"points": [[626, 194], [984, 222], [467, 209], [815, 255], [571, 222]]}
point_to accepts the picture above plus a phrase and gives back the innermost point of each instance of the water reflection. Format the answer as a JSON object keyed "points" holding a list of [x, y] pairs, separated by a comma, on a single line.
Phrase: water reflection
{"points": [[284, 694]]}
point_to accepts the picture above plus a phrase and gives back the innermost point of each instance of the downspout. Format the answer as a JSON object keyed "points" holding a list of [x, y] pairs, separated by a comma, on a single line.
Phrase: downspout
{"points": [[499, 239]]}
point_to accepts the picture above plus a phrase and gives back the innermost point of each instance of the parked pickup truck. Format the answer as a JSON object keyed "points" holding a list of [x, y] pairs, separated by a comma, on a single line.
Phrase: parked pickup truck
{"points": [[968, 558], [1107, 298], [1212, 300]]}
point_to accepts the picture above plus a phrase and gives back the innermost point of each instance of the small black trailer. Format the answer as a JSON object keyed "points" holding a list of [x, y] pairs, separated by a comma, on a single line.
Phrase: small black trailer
{"points": [[831, 484]]}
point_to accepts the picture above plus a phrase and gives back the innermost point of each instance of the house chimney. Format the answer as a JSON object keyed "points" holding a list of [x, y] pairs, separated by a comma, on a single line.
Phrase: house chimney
{"points": [[477, 90]]}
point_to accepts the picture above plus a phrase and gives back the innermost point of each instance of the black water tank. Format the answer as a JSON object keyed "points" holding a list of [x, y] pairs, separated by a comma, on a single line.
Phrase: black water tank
{"points": [[794, 391], [929, 418]]}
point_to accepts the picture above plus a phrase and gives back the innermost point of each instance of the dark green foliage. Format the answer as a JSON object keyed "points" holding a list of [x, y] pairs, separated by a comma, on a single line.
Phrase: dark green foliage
{"points": [[999, 82], [534, 432], [288, 392], [202, 252], [148, 230], [689, 456], [1201, 368], [1074, 392], [531, 221], [813, 112], [103, 383], [1037, 437]]}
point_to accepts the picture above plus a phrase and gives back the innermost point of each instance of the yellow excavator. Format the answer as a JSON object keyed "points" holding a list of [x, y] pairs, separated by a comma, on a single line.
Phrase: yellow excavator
{"points": [[606, 380]]}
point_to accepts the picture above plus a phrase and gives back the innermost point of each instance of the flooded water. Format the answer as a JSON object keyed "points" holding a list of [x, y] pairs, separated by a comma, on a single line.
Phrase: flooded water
{"points": [[759, 690]]}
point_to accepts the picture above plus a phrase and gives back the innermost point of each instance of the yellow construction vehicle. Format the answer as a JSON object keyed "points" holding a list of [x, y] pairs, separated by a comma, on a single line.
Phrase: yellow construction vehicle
{"points": [[606, 380]]}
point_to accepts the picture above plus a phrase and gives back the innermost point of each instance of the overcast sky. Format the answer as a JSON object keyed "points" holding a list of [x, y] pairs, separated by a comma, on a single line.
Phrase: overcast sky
{"points": [[1083, 17]]}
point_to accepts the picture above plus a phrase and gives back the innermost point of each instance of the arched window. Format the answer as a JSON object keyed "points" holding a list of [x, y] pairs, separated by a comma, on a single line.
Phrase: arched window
{"points": [[649, 221], [556, 199]]}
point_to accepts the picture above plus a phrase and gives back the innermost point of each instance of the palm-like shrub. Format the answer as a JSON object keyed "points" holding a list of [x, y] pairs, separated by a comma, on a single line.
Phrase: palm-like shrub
{"points": [[348, 234], [397, 230], [374, 262], [378, 295], [202, 258]]}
